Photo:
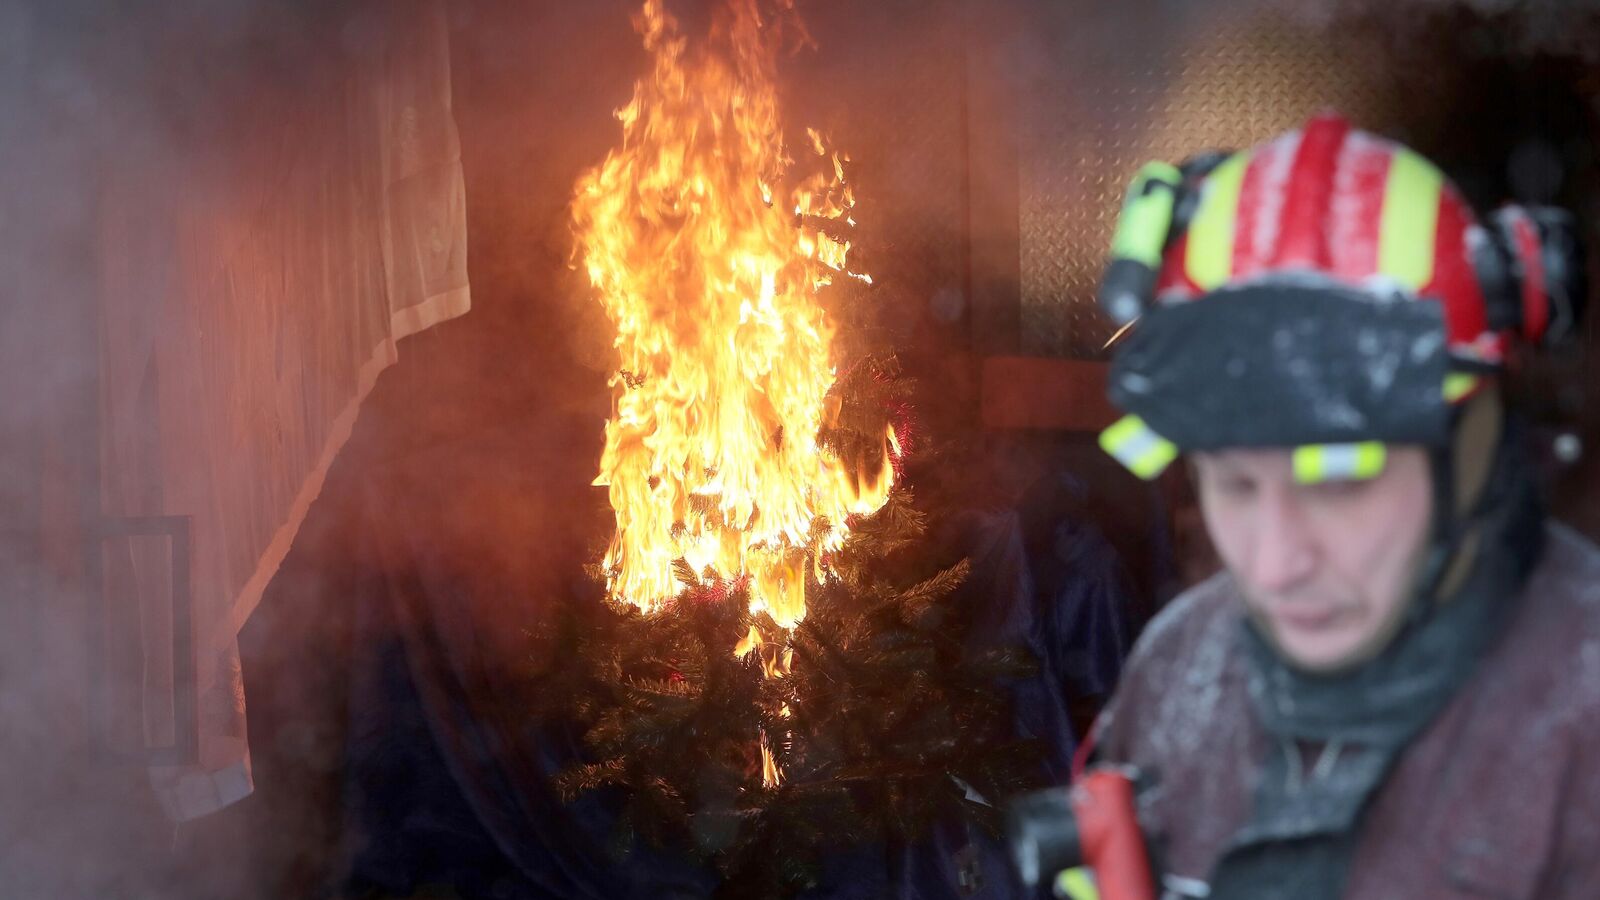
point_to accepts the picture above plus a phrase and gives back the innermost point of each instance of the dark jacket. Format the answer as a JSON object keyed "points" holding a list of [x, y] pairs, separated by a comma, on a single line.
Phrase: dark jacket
{"points": [[1499, 797]]}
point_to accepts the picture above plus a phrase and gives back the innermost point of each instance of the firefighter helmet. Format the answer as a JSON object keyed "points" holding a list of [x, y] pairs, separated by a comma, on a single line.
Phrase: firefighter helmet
{"points": [[1328, 291]]}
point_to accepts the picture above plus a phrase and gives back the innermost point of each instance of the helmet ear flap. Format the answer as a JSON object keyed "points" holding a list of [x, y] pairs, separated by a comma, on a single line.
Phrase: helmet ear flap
{"points": [[1533, 274], [1193, 170], [1566, 272]]}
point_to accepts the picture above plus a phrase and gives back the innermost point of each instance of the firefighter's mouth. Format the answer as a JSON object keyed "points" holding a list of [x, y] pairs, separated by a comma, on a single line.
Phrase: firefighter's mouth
{"points": [[1309, 618]]}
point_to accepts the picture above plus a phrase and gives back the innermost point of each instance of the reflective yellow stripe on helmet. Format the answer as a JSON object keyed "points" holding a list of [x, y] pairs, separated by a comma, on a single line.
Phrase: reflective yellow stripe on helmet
{"points": [[1410, 218], [1209, 256], [1317, 463], [1458, 385], [1134, 444], [1146, 214], [1077, 884]]}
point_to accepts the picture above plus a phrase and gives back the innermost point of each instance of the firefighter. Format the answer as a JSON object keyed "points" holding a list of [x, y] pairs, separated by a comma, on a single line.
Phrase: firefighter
{"points": [[1392, 690]]}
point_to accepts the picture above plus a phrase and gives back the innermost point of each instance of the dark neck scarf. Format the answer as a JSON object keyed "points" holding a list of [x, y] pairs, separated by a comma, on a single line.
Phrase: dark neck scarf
{"points": [[1307, 806]]}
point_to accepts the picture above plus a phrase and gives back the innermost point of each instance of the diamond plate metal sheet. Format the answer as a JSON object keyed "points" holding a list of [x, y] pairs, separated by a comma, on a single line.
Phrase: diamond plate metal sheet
{"points": [[1225, 86], [912, 177]]}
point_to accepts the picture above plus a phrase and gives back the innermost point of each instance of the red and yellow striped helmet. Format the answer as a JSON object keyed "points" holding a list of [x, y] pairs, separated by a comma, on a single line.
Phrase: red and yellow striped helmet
{"points": [[1328, 291]]}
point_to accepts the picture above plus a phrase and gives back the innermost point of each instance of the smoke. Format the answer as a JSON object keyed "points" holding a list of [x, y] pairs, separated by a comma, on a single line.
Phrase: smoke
{"points": [[1524, 27], [505, 407], [48, 96], [501, 409], [91, 94]]}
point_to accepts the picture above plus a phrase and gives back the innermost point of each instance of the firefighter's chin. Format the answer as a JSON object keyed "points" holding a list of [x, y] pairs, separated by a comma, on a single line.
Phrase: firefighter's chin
{"points": [[1325, 638]]}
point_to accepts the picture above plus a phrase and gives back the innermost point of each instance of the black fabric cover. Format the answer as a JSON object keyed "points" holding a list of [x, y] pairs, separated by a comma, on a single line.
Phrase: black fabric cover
{"points": [[448, 784], [1287, 364]]}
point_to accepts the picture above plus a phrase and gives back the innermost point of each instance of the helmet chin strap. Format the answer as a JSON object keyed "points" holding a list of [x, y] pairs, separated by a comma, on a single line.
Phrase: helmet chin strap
{"points": [[1462, 475]]}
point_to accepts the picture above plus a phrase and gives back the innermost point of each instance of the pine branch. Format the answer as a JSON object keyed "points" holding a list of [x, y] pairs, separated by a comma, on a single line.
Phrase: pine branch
{"points": [[589, 776], [1000, 664], [882, 708], [663, 693], [685, 573], [920, 604]]}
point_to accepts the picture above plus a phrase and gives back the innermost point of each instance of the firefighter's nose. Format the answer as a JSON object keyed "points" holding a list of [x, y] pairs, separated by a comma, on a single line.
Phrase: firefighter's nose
{"points": [[1285, 551]]}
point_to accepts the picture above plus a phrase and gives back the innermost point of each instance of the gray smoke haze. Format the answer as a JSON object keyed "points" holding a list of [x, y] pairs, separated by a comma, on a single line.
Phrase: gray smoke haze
{"points": [[91, 93], [52, 812], [514, 391], [1556, 27]]}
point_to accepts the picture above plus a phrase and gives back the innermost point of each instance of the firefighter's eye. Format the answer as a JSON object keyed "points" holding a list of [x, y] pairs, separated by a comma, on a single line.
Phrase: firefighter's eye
{"points": [[1235, 487], [1339, 489]]}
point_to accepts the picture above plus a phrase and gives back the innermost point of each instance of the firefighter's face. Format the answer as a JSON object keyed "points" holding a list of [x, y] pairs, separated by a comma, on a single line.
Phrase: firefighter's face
{"points": [[1326, 569]]}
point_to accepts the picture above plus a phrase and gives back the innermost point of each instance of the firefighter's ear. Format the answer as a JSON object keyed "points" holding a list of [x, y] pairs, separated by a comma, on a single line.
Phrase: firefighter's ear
{"points": [[1533, 274]]}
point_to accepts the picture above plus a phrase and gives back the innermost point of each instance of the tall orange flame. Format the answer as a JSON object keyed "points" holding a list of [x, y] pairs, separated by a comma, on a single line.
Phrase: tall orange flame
{"points": [[725, 352]]}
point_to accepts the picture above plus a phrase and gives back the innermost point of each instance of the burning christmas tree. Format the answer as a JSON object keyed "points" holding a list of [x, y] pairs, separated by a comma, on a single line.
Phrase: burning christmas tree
{"points": [[777, 670], [711, 276]]}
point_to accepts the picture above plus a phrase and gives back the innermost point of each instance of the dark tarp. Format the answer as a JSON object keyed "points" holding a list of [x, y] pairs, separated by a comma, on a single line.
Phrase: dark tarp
{"points": [[445, 784]]}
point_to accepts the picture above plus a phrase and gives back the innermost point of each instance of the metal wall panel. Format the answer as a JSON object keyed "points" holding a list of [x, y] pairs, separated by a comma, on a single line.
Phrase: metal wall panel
{"points": [[1217, 85]]}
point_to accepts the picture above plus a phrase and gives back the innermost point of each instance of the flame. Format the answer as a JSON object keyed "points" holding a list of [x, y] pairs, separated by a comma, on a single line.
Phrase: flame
{"points": [[771, 775], [776, 661], [725, 353], [749, 642]]}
